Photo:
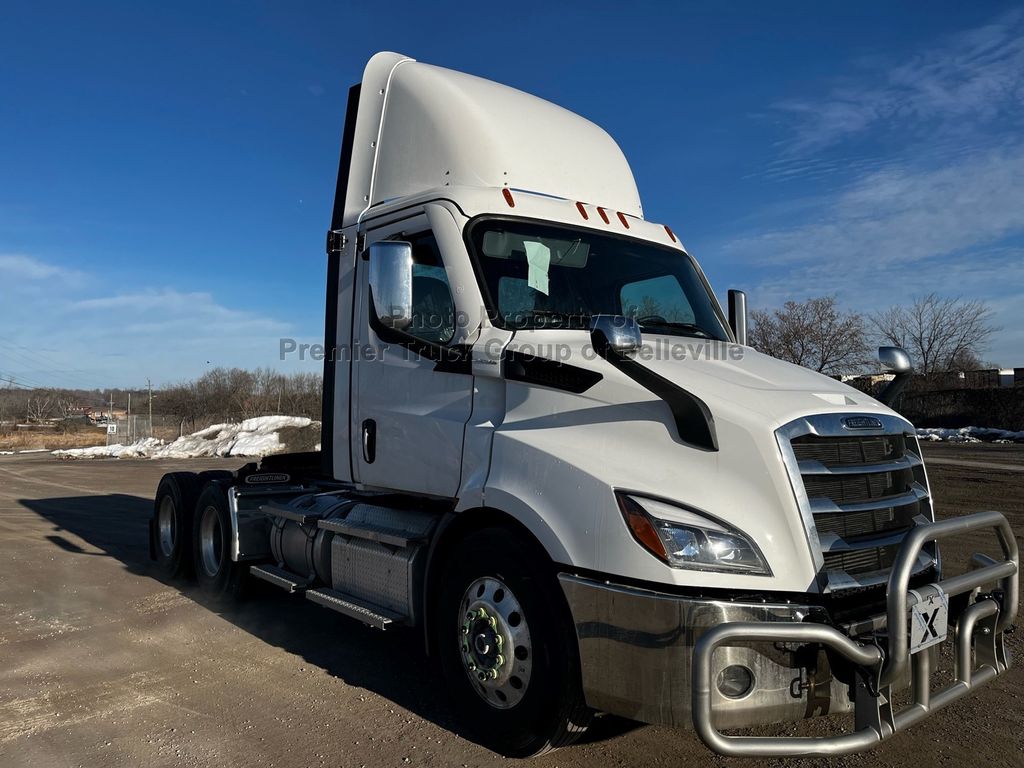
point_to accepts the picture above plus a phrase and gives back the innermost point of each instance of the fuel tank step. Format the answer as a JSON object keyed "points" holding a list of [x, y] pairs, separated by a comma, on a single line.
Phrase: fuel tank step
{"points": [[290, 513], [372, 615], [279, 577], [400, 539]]}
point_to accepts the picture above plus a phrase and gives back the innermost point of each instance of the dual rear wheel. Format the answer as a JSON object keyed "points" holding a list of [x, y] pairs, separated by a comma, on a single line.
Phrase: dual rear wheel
{"points": [[191, 533]]}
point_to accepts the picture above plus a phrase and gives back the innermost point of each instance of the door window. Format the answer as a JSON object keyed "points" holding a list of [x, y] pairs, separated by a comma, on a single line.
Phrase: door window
{"points": [[433, 308]]}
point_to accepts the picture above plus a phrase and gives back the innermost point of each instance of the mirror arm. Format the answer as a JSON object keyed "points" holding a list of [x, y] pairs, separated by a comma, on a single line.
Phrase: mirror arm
{"points": [[894, 389]]}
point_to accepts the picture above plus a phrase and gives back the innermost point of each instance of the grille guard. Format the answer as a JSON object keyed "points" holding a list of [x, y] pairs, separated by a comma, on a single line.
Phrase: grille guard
{"points": [[885, 657]]}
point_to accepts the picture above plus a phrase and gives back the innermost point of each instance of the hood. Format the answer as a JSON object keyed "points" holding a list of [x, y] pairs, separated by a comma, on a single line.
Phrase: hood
{"points": [[729, 378]]}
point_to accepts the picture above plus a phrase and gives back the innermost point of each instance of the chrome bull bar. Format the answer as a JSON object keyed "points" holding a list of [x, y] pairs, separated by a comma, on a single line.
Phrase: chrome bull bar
{"points": [[884, 658]]}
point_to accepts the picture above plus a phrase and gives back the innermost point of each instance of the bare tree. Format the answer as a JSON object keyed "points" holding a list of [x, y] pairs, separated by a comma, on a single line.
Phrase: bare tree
{"points": [[39, 406], [940, 334], [815, 333]]}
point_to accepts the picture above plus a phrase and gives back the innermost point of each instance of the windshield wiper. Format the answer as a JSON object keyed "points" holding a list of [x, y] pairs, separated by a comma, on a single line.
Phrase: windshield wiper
{"points": [[688, 329], [551, 318]]}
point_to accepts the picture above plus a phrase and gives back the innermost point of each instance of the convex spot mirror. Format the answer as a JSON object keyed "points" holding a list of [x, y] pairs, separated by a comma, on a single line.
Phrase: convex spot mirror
{"points": [[616, 333]]}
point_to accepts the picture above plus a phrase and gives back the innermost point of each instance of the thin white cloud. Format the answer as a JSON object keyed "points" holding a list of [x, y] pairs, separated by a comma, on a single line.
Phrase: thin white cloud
{"points": [[14, 266], [958, 86], [902, 215], [163, 334]]}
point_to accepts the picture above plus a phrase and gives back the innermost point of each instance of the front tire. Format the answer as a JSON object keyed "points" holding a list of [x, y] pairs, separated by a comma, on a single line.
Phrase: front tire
{"points": [[507, 646], [218, 575]]}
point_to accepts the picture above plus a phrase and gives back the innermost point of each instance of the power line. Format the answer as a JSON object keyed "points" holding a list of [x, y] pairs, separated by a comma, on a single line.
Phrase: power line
{"points": [[34, 358], [15, 384]]}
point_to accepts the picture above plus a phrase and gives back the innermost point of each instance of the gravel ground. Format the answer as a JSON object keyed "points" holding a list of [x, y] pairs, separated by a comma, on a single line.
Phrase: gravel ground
{"points": [[103, 665]]}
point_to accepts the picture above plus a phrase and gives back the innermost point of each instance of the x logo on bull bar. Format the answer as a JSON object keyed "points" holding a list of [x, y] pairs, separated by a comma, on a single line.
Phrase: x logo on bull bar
{"points": [[929, 630]]}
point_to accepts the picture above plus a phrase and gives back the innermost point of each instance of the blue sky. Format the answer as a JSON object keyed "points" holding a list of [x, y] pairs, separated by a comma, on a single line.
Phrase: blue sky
{"points": [[167, 169]]}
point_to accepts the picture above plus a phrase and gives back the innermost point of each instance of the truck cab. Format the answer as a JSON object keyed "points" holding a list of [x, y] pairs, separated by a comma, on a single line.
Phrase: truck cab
{"points": [[549, 449]]}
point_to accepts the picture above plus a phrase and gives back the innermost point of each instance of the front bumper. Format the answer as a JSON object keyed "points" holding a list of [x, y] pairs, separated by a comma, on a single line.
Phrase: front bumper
{"points": [[655, 657]]}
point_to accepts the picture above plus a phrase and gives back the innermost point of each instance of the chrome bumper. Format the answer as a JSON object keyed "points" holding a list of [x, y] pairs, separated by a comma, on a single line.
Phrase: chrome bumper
{"points": [[654, 657], [636, 652]]}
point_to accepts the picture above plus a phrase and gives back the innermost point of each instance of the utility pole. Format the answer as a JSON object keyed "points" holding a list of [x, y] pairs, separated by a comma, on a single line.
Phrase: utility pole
{"points": [[149, 386], [128, 416]]}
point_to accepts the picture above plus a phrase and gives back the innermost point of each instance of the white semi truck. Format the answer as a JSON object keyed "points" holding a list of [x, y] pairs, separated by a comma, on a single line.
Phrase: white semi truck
{"points": [[548, 449]]}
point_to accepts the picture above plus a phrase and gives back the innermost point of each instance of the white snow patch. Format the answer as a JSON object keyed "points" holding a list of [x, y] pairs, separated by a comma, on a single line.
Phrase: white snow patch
{"points": [[6, 453], [253, 437], [969, 435]]}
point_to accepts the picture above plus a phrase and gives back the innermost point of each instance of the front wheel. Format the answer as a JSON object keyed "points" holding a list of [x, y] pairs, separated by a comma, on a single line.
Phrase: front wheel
{"points": [[507, 646]]}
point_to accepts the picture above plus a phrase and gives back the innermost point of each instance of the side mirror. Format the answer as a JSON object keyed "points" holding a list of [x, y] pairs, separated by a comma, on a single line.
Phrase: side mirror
{"points": [[738, 315], [895, 359], [391, 283], [615, 333]]}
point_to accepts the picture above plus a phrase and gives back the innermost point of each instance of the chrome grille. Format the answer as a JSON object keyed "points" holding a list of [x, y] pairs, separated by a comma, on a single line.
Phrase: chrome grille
{"points": [[860, 491]]}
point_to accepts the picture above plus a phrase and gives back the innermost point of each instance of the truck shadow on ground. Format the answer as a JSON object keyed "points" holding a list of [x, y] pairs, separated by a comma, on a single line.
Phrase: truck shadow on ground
{"points": [[393, 665]]}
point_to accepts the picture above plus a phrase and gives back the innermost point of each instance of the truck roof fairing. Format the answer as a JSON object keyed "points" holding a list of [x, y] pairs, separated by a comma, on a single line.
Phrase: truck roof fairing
{"points": [[420, 126]]}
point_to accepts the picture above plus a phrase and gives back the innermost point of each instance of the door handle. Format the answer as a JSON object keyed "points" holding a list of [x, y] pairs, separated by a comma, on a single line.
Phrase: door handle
{"points": [[369, 440]]}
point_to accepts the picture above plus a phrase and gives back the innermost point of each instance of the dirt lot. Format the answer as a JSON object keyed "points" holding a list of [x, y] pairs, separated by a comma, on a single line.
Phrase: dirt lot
{"points": [[103, 665]]}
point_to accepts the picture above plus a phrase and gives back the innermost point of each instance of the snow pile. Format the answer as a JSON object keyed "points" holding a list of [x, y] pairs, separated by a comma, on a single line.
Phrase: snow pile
{"points": [[253, 437], [970, 435]]}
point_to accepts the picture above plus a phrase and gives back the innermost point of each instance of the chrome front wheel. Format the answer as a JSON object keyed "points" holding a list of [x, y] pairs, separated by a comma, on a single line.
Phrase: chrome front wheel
{"points": [[495, 644]]}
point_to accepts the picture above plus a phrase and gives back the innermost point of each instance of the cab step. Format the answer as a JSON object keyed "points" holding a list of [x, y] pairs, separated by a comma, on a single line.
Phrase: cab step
{"points": [[355, 608], [279, 577]]}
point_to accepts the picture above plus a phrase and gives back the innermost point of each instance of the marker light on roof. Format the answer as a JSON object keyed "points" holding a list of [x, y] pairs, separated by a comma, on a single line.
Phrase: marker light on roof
{"points": [[604, 214], [508, 197], [583, 211], [622, 218], [670, 233]]}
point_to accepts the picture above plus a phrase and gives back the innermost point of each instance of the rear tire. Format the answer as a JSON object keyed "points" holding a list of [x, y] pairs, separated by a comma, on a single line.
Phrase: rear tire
{"points": [[513, 670], [218, 575], [171, 526]]}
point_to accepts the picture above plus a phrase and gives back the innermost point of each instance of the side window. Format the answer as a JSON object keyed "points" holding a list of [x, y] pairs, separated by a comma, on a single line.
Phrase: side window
{"points": [[657, 297], [433, 309]]}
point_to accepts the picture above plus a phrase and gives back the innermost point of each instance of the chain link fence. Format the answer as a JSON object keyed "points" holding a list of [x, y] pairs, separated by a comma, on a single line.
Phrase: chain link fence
{"points": [[126, 431]]}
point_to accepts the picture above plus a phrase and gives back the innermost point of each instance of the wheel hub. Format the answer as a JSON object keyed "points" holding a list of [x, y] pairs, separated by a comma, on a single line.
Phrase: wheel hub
{"points": [[166, 528], [494, 640], [210, 542]]}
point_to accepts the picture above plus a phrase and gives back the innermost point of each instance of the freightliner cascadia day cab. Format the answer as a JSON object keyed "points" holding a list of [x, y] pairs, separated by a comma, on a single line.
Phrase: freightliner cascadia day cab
{"points": [[548, 449]]}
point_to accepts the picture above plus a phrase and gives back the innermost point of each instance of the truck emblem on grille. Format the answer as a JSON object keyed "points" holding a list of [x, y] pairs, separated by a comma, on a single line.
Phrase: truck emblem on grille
{"points": [[862, 422]]}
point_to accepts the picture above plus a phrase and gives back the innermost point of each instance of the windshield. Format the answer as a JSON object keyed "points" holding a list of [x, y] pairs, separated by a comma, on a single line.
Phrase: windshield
{"points": [[541, 276]]}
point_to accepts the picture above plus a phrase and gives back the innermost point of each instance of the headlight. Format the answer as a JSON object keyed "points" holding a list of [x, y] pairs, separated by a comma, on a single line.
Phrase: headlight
{"points": [[684, 538]]}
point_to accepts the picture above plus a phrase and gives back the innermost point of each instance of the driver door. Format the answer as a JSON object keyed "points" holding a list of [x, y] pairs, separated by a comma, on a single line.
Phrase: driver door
{"points": [[409, 409]]}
